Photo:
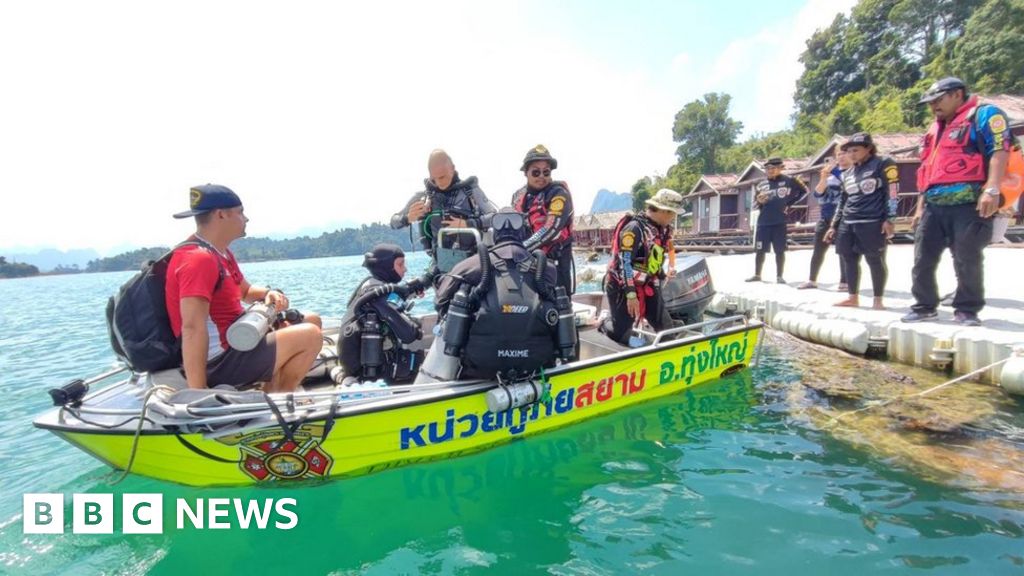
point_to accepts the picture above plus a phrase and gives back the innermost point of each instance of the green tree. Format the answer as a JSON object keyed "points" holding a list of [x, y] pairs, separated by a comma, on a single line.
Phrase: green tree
{"points": [[926, 27], [830, 70], [990, 56], [702, 128], [641, 192], [874, 41]]}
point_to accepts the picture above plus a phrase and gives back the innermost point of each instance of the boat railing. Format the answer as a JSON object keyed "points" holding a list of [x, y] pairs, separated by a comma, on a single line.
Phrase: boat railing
{"points": [[696, 329], [295, 400], [342, 396], [449, 254]]}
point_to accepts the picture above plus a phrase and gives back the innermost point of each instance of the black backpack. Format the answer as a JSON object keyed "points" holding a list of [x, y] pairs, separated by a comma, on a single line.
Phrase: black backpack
{"points": [[140, 330]]}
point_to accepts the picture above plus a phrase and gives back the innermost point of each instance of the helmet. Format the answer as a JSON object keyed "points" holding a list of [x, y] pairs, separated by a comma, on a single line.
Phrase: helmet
{"points": [[538, 152]]}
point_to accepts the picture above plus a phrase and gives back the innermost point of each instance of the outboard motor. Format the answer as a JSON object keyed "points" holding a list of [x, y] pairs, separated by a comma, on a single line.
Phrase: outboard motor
{"points": [[457, 323], [689, 292], [566, 332], [371, 350]]}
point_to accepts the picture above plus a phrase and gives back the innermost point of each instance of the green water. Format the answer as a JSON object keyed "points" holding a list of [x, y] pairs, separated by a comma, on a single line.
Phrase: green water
{"points": [[720, 480]]}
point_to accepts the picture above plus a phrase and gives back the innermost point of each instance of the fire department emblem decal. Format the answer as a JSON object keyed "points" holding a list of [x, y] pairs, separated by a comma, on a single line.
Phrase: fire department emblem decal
{"points": [[266, 455]]}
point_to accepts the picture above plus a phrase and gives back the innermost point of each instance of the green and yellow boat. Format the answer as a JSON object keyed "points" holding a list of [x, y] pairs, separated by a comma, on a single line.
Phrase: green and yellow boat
{"points": [[153, 425]]}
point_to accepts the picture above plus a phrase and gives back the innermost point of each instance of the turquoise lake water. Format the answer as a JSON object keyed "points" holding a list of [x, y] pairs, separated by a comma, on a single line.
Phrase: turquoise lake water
{"points": [[720, 480]]}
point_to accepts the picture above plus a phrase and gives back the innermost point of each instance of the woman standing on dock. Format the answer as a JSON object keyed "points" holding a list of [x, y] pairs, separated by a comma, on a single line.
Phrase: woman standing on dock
{"points": [[828, 191], [863, 223]]}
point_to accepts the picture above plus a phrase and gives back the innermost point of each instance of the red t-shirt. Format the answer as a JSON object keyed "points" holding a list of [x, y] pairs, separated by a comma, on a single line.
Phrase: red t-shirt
{"points": [[193, 272]]}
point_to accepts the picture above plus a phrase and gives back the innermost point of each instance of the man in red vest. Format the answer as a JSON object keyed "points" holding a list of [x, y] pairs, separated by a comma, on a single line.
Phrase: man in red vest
{"points": [[963, 160]]}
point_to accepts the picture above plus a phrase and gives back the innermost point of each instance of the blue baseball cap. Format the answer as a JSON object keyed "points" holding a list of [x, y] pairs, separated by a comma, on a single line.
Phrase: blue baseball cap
{"points": [[208, 197]]}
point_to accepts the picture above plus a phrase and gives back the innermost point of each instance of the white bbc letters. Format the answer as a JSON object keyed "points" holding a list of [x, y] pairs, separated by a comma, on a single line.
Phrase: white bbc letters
{"points": [[92, 514]]}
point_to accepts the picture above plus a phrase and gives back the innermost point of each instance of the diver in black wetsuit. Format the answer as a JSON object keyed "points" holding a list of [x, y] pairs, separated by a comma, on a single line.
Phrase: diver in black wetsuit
{"points": [[377, 325]]}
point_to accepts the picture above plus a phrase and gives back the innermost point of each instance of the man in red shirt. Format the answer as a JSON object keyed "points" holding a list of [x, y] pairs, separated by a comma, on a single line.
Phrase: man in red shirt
{"points": [[204, 291]]}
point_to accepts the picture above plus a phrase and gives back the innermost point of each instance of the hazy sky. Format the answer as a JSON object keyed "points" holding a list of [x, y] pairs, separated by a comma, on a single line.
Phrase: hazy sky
{"points": [[323, 113]]}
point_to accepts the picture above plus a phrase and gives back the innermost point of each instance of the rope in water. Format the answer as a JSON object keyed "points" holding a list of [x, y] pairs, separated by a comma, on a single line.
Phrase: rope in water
{"points": [[879, 404], [138, 432]]}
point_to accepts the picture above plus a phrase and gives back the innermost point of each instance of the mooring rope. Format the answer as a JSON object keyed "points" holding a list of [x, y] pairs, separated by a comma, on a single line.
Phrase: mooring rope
{"points": [[880, 403], [138, 431]]}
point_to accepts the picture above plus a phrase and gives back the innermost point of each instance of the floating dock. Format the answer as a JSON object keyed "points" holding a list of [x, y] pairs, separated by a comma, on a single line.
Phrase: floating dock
{"points": [[942, 344]]}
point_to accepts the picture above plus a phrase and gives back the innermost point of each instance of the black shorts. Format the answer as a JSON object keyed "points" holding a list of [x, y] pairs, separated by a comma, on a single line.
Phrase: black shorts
{"points": [[866, 239], [772, 236], [237, 369]]}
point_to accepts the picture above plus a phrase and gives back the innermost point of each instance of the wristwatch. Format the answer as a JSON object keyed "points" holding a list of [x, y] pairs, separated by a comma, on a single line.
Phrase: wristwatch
{"points": [[992, 191]]}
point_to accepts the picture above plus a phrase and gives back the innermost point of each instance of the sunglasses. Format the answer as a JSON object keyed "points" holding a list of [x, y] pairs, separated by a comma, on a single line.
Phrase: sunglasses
{"points": [[503, 220], [537, 173]]}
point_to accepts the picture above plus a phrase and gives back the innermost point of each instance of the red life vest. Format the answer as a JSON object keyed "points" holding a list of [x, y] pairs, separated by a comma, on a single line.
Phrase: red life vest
{"points": [[537, 215], [951, 158]]}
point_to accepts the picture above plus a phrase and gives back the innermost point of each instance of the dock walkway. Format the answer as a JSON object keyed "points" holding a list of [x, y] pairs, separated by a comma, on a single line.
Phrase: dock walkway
{"points": [[811, 314]]}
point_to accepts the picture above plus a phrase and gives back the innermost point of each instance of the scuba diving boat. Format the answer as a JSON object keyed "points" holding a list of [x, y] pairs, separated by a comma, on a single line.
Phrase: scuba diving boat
{"points": [[154, 426]]}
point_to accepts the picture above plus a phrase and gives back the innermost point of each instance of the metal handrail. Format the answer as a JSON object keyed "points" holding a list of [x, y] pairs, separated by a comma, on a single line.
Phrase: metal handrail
{"points": [[660, 335]]}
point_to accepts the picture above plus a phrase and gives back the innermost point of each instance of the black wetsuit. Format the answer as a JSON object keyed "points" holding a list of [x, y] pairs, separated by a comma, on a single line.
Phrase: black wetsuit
{"points": [[399, 328]]}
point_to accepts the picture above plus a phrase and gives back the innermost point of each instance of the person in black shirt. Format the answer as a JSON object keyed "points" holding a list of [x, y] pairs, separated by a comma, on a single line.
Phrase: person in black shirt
{"points": [[827, 191], [864, 219], [774, 195]]}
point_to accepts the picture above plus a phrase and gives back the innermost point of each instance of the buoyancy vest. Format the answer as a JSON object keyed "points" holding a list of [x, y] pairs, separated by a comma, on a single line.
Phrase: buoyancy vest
{"points": [[512, 329], [534, 205], [951, 157], [456, 200], [650, 257]]}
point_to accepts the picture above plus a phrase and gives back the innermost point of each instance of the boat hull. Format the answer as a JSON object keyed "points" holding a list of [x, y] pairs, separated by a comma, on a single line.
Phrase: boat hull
{"points": [[379, 439]]}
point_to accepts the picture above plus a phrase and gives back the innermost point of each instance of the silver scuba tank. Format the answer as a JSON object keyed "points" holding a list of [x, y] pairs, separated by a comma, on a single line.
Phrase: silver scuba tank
{"points": [[509, 396], [249, 329], [437, 366]]}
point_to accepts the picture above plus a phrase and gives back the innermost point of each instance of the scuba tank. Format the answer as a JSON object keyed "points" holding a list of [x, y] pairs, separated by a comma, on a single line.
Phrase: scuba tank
{"points": [[246, 332], [371, 348], [565, 335], [457, 323], [506, 397], [437, 366]]}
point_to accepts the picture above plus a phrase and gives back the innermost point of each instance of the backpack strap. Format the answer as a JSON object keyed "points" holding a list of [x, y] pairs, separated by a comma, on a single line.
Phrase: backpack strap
{"points": [[221, 272]]}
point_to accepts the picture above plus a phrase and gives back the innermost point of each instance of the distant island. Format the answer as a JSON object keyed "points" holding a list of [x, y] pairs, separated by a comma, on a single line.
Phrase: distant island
{"points": [[16, 269], [343, 242], [608, 201]]}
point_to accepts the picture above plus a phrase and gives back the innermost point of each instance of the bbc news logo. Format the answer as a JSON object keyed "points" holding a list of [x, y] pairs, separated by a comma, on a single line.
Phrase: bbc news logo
{"points": [[144, 513]]}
